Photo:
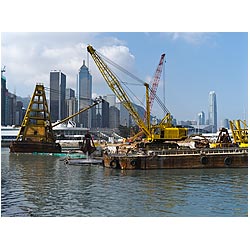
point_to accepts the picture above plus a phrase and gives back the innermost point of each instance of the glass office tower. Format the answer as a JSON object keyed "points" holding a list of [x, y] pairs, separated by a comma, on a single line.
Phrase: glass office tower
{"points": [[57, 95], [84, 94], [212, 111]]}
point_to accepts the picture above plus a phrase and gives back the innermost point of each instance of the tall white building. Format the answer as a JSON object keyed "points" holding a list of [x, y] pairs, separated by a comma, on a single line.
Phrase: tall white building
{"points": [[83, 95], [212, 111], [201, 118]]}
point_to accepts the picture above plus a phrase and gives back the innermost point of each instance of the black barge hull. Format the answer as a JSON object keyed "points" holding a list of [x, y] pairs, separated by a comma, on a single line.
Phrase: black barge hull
{"points": [[31, 147]]}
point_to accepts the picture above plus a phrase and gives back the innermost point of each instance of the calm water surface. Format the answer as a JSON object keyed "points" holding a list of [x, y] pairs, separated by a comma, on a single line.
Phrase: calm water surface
{"points": [[33, 185]]}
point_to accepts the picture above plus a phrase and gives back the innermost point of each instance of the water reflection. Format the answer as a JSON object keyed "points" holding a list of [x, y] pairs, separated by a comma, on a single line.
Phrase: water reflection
{"points": [[34, 185]]}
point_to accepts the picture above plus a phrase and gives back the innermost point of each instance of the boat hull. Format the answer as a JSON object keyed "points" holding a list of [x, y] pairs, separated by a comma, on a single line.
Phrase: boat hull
{"points": [[185, 160], [32, 147]]}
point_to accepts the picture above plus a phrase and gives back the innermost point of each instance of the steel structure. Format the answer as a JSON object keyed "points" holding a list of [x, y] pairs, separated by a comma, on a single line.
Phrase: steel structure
{"points": [[155, 83], [239, 132], [36, 133], [161, 132]]}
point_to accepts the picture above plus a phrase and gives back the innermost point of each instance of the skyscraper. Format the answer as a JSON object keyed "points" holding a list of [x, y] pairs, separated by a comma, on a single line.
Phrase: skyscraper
{"points": [[100, 115], [71, 106], [212, 111], [110, 98], [57, 95], [84, 94], [201, 118], [3, 99]]}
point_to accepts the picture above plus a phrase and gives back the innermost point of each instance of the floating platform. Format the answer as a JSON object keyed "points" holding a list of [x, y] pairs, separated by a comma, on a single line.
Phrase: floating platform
{"points": [[179, 159], [34, 147]]}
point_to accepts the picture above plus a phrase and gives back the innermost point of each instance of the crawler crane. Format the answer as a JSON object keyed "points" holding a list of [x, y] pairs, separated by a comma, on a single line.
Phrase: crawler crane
{"points": [[164, 131]]}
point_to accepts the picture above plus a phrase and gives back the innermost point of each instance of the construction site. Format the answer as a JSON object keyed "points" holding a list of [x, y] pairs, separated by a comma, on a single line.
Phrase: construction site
{"points": [[157, 144]]}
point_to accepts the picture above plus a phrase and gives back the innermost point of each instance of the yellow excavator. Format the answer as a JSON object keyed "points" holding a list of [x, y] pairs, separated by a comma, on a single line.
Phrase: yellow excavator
{"points": [[239, 130], [164, 131]]}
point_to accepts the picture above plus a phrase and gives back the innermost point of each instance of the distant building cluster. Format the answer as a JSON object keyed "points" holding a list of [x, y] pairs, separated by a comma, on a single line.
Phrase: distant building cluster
{"points": [[203, 125], [12, 111], [64, 102]]}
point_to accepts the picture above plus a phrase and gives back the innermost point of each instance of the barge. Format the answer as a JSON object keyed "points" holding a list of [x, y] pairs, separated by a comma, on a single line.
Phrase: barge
{"points": [[34, 147], [179, 159]]}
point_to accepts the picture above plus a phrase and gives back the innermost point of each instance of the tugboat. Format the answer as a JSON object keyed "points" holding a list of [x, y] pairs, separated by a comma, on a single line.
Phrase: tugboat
{"points": [[36, 134]]}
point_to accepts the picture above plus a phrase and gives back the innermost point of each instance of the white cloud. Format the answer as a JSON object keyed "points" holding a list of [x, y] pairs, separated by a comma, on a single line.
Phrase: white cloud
{"points": [[194, 38], [29, 58]]}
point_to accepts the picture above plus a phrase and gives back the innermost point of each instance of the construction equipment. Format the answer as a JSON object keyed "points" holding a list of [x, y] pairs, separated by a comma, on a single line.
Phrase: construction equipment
{"points": [[239, 130], [36, 133], [162, 132], [155, 83], [223, 140], [154, 86]]}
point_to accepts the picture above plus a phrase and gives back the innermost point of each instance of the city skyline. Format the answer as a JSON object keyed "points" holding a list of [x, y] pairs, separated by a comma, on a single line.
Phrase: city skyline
{"points": [[196, 63]]}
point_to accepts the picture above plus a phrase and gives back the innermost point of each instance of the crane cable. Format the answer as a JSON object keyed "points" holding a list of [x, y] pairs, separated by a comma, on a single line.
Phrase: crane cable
{"points": [[161, 104]]}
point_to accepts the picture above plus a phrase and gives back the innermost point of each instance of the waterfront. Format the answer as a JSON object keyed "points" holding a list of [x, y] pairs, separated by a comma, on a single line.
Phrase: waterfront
{"points": [[37, 185]]}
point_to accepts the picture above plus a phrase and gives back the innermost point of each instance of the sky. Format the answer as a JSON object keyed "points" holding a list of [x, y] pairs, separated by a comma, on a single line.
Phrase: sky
{"points": [[196, 63]]}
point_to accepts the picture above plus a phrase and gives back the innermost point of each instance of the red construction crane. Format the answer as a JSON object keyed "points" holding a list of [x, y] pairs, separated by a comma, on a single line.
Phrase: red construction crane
{"points": [[155, 83]]}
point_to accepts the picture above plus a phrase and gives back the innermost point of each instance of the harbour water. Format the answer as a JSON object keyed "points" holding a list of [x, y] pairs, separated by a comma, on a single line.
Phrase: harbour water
{"points": [[38, 185]]}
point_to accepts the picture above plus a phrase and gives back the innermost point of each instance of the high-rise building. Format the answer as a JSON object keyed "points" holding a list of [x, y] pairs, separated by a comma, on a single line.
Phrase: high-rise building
{"points": [[20, 112], [105, 114], [212, 111], [71, 103], [114, 117], [111, 99], [3, 99], [201, 118], [84, 94], [125, 117], [226, 123], [70, 93], [100, 115], [57, 95], [10, 113]]}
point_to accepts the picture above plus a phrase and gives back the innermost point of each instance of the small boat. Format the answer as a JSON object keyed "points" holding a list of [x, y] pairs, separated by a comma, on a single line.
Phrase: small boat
{"points": [[88, 161]]}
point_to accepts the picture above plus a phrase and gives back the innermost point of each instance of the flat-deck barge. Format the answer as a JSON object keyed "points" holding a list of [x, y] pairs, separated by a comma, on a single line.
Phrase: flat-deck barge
{"points": [[179, 158]]}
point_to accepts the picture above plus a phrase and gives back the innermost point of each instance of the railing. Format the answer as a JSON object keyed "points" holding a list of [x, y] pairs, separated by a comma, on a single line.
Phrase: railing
{"points": [[198, 151]]}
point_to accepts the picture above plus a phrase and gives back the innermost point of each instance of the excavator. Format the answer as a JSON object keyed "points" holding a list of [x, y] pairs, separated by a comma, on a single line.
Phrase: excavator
{"points": [[161, 132], [239, 131], [36, 132]]}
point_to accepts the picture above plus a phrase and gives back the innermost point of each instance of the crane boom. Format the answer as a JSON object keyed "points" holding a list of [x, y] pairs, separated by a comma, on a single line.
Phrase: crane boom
{"points": [[116, 87], [155, 83], [161, 132]]}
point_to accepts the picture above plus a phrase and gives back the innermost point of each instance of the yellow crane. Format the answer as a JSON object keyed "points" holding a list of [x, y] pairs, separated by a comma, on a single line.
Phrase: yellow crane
{"points": [[239, 130], [164, 131]]}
